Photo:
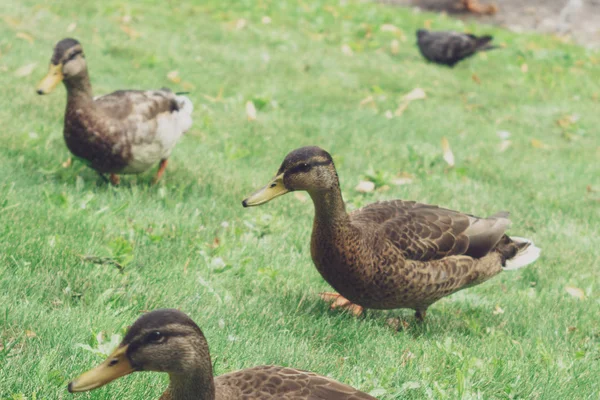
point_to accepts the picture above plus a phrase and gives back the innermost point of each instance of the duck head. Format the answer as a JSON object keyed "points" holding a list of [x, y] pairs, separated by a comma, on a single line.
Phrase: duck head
{"points": [[163, 341], [308, 168], [67, 63]]}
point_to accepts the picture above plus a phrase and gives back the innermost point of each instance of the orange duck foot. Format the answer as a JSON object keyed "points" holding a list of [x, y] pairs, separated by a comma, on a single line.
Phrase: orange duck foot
{"points": [[474, 7], [161, 170], [115, 180], [339, 301]]}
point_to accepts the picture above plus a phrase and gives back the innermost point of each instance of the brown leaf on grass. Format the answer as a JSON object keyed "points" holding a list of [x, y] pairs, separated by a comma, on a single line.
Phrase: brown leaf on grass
{"points": [[389, 28], [571, 329], [524, 68], [394, 47], [447, 152], [538, 144], [575, 292], [25, 36], [427, 24], [174, 77], [30, 334], [68, 162], [250, 111], [365, 187], [397, 324], [476, 79], [266, 20], [72, 26], [132, 33], [240, 24], [415, 94], [367, 100], [25, 70], [404, 178], [504, 145], [498, 310], [567, 120]]}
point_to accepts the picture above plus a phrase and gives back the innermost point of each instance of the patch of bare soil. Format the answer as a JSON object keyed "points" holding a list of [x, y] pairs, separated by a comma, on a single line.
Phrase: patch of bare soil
{"points": [[578, 19]]}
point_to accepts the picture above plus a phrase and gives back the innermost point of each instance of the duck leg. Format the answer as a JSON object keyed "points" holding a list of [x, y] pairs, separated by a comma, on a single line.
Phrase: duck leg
{"points": [[115, 180], [161, 170], [475, 7], [420, 315], [339, 301]]}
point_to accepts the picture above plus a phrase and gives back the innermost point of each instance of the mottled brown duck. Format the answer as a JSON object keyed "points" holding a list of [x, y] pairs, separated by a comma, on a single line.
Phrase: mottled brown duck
{"points": [[169, 341], [125, 132], [393, 254]]}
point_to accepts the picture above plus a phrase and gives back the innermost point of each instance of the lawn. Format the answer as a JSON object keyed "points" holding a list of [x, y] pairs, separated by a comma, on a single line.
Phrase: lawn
{"points": [[326, 73]]}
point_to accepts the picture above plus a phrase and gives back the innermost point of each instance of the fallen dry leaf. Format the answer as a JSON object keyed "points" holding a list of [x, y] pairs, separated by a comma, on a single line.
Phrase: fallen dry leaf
{"points": [[403, 180], [575, 292], [347, 50], [524, 68], [447, 152], [25, 36], [401, 108], [366, 100], [538, 144], [427, 24], [389, 28], [395, 47], [415, 94], [498, 310], [504, 145], [476, 79], [365, 187], [250, 111], [132, 33], [567, 120], [266, 20], [67, 163], [571, 328], [72, 26], [397, 324], [174, 77], [30, 334], [25, 70], [388, 114], [240, 24]]}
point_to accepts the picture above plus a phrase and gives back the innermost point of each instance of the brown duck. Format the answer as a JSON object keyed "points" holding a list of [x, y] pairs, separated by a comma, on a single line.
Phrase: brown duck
{"points": [[125, 132], [393, 254], [169, 341]]}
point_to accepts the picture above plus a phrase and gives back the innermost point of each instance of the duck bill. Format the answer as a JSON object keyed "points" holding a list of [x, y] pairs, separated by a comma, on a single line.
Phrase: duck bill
{"points": [[274, 189], [115, 366], [52, 78]]}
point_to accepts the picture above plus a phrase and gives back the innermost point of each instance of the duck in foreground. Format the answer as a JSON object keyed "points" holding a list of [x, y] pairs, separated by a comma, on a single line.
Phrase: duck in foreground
{"points": [[169, 341], [125, 132], [449, 48], [393, 254]]}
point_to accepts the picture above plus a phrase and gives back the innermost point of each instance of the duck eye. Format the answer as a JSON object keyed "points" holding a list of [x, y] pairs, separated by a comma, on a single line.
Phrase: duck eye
{"points": [[155, 337], [304, 167]]}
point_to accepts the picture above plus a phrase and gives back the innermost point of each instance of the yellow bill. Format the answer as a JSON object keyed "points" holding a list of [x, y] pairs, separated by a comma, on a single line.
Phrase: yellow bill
{"points": [[52, 78], [274, 189], [115, 366]]}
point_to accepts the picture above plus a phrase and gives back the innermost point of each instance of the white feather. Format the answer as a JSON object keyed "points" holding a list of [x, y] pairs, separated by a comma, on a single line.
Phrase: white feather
{"points": [[525, 257]]}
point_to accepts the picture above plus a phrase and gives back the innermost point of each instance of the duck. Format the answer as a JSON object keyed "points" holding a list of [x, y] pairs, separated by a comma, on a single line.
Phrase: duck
{"points": [[393, 254], [124, 132], [449, 47], [168, 340]]}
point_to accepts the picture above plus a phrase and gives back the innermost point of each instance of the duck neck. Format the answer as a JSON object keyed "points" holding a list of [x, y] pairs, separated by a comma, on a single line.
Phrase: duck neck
{"points": [[197, 385], [330, 210], [79, 88]]}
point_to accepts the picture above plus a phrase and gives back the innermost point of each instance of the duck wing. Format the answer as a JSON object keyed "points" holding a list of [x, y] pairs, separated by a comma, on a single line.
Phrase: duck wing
{"points": [[424, 232], [273, 382]]}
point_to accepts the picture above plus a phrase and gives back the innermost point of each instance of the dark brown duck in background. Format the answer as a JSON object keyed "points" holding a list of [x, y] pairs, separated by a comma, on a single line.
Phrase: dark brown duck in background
{"points": [[393, 254], [169, 341], [125, 132]]}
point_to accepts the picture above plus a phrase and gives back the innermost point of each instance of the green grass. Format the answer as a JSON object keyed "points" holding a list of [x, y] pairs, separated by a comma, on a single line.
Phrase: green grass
{"points": [[256, 294]]}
